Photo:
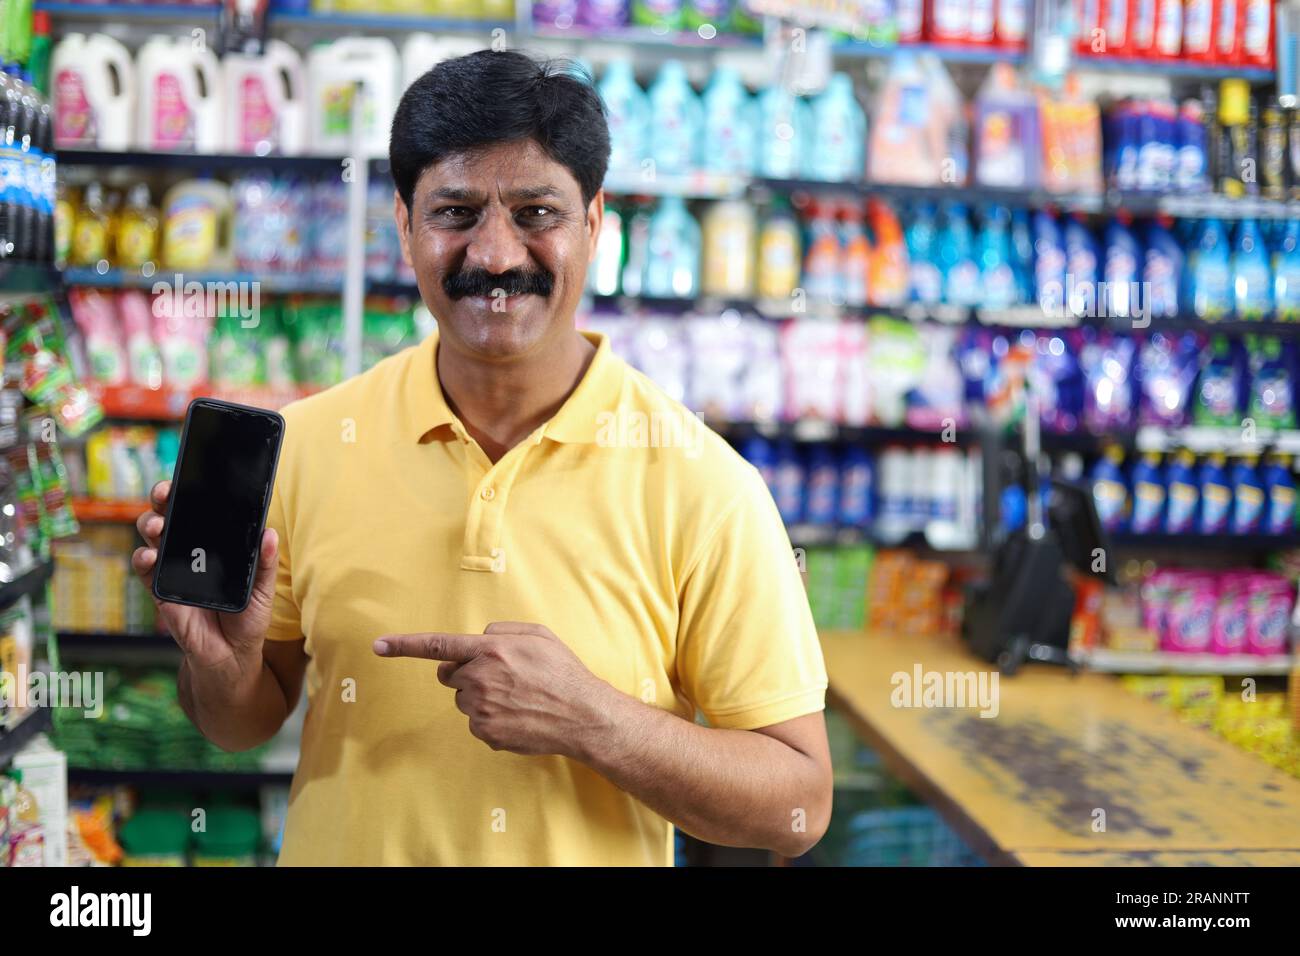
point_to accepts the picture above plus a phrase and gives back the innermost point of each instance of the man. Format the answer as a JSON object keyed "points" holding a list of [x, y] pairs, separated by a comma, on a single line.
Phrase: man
{"points": [[471, 514]]}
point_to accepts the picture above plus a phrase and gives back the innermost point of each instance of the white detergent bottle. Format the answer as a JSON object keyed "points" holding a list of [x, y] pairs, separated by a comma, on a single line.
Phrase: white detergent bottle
{"points": [[179, 97], [266, 102], [333, 72], [423, 51], [93, 85]]}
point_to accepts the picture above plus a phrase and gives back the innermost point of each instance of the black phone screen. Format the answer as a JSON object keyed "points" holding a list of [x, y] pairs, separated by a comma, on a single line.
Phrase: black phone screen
{"points": [[217, 509]]}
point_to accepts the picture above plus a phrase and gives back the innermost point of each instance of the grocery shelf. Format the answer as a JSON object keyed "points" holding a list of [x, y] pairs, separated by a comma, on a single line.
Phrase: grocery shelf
{"points": [[207, 779], [89, 642], [22, 278], [949, 53], [387, 23], [108, 512], [130, 11], [1176, 69], [698, 184], [1165, 662], [167, 403], [285, 283], [648, 37], [1227, 543], [144, 159], [29, 582], [16, 736]]}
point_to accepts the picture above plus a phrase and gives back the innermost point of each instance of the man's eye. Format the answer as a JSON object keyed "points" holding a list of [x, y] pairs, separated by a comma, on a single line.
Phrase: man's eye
{"points": [[537, 213], [452, 212]]}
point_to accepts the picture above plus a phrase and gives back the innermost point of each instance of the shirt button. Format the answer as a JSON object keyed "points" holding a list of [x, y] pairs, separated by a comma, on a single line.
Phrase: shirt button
{"points": [[488, 493]]}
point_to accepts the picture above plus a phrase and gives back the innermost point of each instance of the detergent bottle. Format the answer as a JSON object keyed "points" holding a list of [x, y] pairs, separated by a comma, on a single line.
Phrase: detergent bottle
{"points": [[1183, 494], [1148, 495], [673, 256], [1216, 496], [962, 279], [887, 284], [1248, 497], [93, 84], [628, 114], [1110, 490], [1208, 276], [180, 97], [266, 98], [676, 119], [335, 71], [1252, 280], [196, 225], [840, 129], [782, 121], [994, 255], [1279, 492], [1286, 273], [924, 277], [730, 123]]}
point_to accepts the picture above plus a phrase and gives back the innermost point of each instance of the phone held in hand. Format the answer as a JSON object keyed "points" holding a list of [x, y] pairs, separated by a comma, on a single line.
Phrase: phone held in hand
{"points": [[216, 511]]}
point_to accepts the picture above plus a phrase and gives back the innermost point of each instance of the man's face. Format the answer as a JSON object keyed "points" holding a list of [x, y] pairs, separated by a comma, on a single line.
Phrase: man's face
{"points": [[500, 242]]}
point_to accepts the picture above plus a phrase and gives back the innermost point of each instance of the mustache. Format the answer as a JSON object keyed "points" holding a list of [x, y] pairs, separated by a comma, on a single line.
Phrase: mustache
{"points": [[480, 282]]}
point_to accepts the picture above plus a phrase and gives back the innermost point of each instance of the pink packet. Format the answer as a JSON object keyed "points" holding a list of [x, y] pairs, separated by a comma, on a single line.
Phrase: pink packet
{"points": [[1189, 619], [1269, 616], [1230, 617], [1155, 600]]}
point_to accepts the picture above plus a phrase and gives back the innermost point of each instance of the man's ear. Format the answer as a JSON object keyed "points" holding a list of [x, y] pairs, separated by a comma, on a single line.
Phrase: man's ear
{"points": [[403, 217], [595, 217]]}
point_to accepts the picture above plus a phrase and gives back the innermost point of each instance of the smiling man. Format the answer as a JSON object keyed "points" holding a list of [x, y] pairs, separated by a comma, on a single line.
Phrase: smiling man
{"points": [[507, 622]]}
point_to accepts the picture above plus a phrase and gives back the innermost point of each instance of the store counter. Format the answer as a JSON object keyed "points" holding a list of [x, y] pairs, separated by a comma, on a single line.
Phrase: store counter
{"points": [[1026, 786]]}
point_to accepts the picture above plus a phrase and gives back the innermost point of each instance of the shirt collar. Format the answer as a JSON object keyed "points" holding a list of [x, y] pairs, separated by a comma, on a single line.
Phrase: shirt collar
{"points": [[577, 421]]}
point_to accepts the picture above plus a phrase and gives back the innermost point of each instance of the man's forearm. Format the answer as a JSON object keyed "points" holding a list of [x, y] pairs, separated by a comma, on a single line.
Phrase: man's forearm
{"points": [[233, 711], [729, 787]]}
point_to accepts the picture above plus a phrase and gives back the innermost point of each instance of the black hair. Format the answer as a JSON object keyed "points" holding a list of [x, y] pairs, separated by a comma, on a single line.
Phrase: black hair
{"points": [[485, 98]]}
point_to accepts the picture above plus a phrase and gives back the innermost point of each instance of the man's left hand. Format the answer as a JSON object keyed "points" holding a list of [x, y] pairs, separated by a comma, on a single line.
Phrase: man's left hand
{"points": [[521, 687]]}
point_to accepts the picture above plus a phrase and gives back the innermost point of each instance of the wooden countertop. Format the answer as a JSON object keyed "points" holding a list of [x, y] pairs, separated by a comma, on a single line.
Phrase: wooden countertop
{"points": [[1022, 787]]}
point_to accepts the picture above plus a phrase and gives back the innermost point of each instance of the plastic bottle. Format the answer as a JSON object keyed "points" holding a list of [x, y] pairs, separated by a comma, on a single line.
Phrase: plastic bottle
{"points": [[839, 128], [16, 202], [137, 230], [1256, 33], [1022, 256], [1049, 265], [676, 121], [627, 112], [947, 21], [993, 252], [1011, 24], [673, 252], [1198, 30], [924, 278], [1148, 495], [887, 282], [1279, 493], [38, 63], [1006, 142], [602, 14], [1122, 270], [1235, 168], [1216, 496], [856, 507], [789, 482], [180, 100], [962, 281], [1227, 43], [266, 101], [1081, 267], [729, 230], [1252, 279], [854, 269], [1191, 171], [730, 123], [90, 230], [606, 272], [1286, 273], [93, 82], [1110, 490], [196, 225], [782, 122], [333, 72], [1162, 270], [822, 506], [1249, 500], [821, 267], [779, 254], [1209, 273], [664, 15], [1183, 494], [638, 249]]}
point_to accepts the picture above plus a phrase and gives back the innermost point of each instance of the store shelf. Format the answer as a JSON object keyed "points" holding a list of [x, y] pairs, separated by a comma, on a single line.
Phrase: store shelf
{"points": [[29, 582], [946, 52], [1175, 69], [383, 23], [284, 283], [108, 512], [15, 737], [699, 184], [85, 643], [23, 278], [148, 404], [650, 37], [142, 159], [128, 12], [1164, 662], [1226, 543], [197, 779]]}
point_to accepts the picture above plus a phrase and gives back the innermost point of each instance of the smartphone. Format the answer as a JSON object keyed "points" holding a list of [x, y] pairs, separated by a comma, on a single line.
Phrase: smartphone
{"points": [[216, 512]]}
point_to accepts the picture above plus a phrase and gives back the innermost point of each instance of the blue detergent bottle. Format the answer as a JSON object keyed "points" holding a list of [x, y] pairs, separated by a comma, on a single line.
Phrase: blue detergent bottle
{"points": [[956, 258], [1049, 265], [994, 255], [677, 121], [1209, 273], [1216, 496], [1286, 273], [1252, 278], [857, 483], [1110, 490], [730, 124], [672, 267], [823, 478], [1081, 268], [925, 279], [1248, 497], [1148, 495], [789, 483], [1022, 255], [782, 128], [839, 128], [1121, 271], [1279, 494], [1162, 271], [628, 113], [1182, 494]]}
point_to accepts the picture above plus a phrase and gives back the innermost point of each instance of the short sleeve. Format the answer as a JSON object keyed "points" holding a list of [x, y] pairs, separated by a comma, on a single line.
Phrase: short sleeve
{"points": [[748, 654], [286, 622]]}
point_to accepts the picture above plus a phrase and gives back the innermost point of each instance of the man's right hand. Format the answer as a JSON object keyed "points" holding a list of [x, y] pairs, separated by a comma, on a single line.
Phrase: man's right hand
{"points": [[210, 639]]}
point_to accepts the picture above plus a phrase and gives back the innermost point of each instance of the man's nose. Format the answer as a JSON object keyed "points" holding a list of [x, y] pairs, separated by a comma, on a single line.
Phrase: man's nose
{"points": [[495, 245]]}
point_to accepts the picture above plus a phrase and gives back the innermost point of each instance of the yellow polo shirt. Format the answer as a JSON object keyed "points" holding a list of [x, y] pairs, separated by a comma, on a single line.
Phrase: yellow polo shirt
{"points": [[640, 538]]}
